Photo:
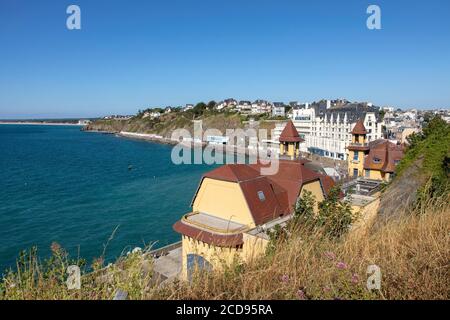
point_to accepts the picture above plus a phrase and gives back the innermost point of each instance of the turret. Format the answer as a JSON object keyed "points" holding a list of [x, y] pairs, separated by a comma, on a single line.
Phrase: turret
{"points": [[290, 141], [358, 149]]}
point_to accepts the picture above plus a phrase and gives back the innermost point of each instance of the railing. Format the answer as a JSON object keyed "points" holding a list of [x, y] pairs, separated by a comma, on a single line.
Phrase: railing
{"points": [[358, 144], [164, 250], [211, 228]]}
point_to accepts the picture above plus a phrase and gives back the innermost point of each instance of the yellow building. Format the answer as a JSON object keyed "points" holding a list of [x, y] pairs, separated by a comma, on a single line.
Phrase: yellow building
{"points": [[375, 160], [290, 141], [233, 208]]}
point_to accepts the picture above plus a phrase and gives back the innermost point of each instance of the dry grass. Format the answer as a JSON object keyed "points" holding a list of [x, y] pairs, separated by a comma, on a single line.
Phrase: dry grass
{"points": [[413, 253]]}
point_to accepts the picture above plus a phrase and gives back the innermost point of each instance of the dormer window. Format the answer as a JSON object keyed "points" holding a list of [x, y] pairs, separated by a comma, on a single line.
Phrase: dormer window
{"points": [[376, 160], [261, 196]]}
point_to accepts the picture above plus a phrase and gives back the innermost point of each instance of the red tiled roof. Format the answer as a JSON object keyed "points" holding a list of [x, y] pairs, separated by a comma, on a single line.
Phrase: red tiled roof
{"points": [[327, 183], [280, 193], [290, 133], [291, 176], [386, 154], [231, 240], [280, 190], [359, 128], [233, 173], [274, 205]]}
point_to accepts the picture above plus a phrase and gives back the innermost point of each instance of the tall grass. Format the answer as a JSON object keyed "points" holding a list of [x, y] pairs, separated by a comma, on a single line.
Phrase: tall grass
{"points": [[413, 253]]}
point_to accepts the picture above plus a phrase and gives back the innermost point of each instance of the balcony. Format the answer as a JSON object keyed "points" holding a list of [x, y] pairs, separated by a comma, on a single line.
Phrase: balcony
{"points": [[213, 224], [356, 146]]}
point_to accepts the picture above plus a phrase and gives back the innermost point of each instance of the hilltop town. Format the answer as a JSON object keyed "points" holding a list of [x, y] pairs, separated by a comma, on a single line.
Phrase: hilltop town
{"points": [[325, 125]]}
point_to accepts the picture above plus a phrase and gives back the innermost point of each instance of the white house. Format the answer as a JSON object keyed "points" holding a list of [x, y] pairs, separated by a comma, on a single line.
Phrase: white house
{"points": [[278, 109], [227, 103], [188, 107], [244, 106], [152, 115]]}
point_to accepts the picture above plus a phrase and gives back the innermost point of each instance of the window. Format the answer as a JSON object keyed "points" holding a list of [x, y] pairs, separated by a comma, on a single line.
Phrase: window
{"points": [[396, 162], [355, 155], [196, 262], [367, 173], [376, 160], [261, 196]]}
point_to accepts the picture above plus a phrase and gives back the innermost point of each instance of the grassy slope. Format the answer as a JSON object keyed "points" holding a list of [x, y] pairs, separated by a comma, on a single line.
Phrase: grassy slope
{"points": [[412, 252], [422, 173], [169, 122]]}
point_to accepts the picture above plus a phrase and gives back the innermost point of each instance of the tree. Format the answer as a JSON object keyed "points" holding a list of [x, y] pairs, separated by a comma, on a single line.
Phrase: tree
{"points": [[430, 147], [304, 207], [199, 109], [335, 215], [211, 105]]}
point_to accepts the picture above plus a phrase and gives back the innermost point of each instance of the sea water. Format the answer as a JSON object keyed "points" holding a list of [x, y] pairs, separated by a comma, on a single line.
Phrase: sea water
{"points": [[60, 184]]}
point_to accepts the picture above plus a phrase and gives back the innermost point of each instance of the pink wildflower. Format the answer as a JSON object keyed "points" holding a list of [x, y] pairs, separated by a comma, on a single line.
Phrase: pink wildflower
{"points": [[330, 255]]}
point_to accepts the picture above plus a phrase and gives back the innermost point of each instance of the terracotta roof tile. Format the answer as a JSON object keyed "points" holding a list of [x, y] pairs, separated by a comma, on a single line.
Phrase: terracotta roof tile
{"points": [[290, 133], [233, 173], [383, 156], [359, 128], [231, 240], [267, 197]]}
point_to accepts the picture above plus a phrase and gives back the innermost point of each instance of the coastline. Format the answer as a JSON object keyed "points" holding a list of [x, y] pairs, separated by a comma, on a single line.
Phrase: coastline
{"points": [[236, 150], [158, 139], [41, 123]]}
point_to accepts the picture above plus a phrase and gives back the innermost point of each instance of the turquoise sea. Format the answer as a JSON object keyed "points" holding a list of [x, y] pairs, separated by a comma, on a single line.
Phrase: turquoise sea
{"points": [[61, 184]]}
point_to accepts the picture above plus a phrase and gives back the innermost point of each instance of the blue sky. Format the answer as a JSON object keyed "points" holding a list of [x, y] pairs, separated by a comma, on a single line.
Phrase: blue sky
{"points": [[135, 54]]}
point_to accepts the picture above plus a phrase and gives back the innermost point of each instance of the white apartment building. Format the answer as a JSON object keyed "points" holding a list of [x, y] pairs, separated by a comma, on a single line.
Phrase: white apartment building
{"points": [[327, 130]]}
